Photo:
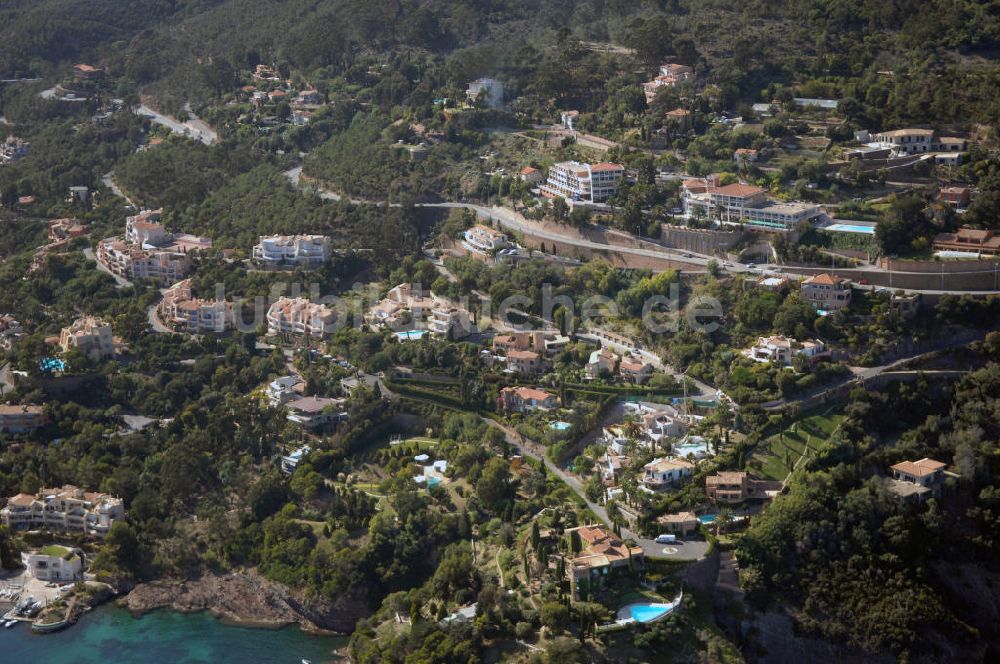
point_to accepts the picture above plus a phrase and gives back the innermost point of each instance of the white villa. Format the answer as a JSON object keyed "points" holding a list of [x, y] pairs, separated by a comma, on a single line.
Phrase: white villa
{"points": [[309, 250], [665, 473], [781, 350], [283, 389], [484, 241], [53, 563], [91, 336], [313, 412], [407, 307]]}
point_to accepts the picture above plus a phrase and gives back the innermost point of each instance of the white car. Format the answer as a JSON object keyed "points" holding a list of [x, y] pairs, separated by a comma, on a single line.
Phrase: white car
{"points": [[666, 539]]}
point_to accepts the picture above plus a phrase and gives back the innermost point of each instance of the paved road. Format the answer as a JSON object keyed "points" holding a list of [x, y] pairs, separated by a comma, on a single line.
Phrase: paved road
{"points": [[108, 181], [704, 389], [193, 127], [860, 375], [686, 550], [122, 281], [152, 315], [515, 222]]}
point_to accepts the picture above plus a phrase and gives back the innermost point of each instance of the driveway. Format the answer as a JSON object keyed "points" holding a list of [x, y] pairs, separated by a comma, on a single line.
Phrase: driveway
{"points": [[122, 281], [193, 127], [704, 389], [153, 316], [681, 550]]}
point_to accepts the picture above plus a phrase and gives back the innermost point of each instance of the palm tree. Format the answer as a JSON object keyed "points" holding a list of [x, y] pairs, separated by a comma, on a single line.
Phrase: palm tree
{"points": [[722, 518]]}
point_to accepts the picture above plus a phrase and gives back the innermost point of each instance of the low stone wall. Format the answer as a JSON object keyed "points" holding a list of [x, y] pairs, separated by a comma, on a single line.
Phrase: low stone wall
{"points": [[936, 267], [698, 240], [944, 280], [703, 573]]}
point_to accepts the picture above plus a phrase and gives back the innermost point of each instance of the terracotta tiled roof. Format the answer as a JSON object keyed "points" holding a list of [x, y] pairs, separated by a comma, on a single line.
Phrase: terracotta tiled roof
{"points": [[920, 468], [826, 279], [739, 190]]}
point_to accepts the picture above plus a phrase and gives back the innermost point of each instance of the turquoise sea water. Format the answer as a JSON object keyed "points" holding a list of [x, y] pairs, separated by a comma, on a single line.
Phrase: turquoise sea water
{"points": [[110, 635]]}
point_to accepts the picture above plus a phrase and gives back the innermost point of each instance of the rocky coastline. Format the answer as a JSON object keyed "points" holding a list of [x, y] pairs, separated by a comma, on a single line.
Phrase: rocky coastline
{"points": [[248, 599]]}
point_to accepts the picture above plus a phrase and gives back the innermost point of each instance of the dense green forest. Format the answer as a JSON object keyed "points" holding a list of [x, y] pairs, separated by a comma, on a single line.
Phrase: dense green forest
{"points": [[879, 56]]}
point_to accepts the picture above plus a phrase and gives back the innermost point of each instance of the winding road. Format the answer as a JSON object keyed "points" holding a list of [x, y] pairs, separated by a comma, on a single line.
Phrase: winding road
{"points": [[193, 127], [681, 550]]}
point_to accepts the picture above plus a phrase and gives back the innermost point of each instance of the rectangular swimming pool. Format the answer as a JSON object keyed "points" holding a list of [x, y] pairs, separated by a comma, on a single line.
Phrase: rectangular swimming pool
{"points": [[851, 228]]}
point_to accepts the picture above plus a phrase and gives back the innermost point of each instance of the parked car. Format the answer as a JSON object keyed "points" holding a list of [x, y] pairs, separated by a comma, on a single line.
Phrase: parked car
{"points": [[666, 538]]}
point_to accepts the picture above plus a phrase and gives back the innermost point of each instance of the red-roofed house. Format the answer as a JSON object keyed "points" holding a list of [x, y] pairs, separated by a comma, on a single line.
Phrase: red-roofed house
{"points": [[972, 240], [827, 291], [957, 196], [520, 399], [530, 174], [603, 553], [917, 480]]}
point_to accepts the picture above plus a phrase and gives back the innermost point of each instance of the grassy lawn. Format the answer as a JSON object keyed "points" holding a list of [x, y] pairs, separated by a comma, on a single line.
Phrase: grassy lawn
{"points": [[54, 550], [777, 455]]}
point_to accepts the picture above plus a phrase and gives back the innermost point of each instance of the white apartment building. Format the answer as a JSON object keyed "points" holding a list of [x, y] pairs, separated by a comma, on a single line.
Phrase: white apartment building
{"points": [[132, 262], [91, 336], [53, 563], [148, 251], [742, 203], [145, 229], [300, 317], [408, 306], [484, 240], [781, 216], [592, 183], [69, 509], [186, 313], [309, 250], [912, 141]]}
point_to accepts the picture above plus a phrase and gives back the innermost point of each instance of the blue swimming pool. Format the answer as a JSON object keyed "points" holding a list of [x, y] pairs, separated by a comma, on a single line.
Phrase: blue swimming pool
{"points": [[51, 364], [560, 426], [432, 482], [410, 334], [707, 518], [851, 228], [644, 612]]}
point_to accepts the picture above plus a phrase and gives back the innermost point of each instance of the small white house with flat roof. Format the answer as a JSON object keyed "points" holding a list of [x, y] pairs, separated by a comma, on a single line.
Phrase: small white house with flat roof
{"points": [[53, 563]]}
